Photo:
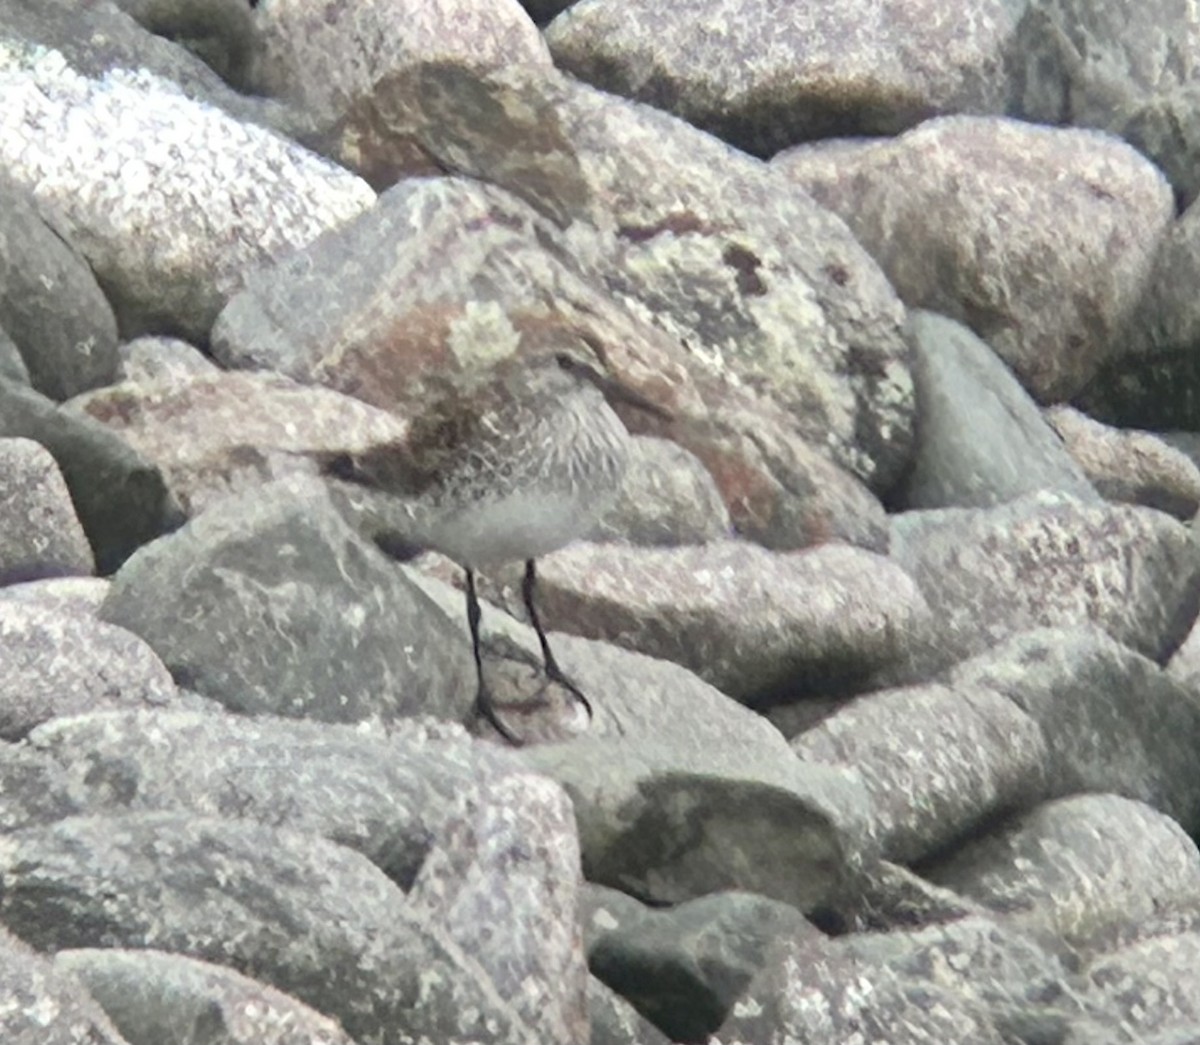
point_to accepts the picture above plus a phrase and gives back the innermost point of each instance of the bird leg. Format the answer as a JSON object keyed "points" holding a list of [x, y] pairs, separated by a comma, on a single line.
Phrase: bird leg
{"points": [[553, 671], [483, 696]]}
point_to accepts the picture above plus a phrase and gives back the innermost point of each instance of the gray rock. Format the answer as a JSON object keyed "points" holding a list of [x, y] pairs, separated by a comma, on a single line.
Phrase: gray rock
{"points": [[50, 303], [45, 1006], [81, 596], [668, 498], [1021, 986], [1112, 720], [812, 990], [58, 662], [34, 789], [754, 623], [12, 366], [221, 433], [1126, 70], [148, 359], [764, 79], [982, 439], [290, 612], [121, 498], [40, 534], [311, 918], [387, 797], [1049, 560], [685, 967], [1130, 467], [1040, 239], [155, 997], [1070, 870], [616, 1022], [936, 761], [668, 823], [227, 195]]}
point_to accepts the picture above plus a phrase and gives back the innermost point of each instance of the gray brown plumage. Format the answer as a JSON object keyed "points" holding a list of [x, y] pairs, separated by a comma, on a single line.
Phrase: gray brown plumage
{"points": [[513, 468]]}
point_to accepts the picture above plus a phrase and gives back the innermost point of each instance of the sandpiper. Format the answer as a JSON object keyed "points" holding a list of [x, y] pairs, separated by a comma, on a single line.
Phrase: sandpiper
{"points": [[516, 467]]}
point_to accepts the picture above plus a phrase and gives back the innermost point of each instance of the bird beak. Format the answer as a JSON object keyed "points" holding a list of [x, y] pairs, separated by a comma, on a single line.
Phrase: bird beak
{"points": [[615, 392]]}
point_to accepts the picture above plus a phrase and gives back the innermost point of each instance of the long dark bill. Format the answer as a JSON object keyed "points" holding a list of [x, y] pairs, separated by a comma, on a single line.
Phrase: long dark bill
{"points": [[615, 392]]}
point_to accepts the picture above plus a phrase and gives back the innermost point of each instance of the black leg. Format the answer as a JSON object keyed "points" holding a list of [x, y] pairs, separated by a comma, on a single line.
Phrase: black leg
{"points": [[553, 671], [483, 696]]}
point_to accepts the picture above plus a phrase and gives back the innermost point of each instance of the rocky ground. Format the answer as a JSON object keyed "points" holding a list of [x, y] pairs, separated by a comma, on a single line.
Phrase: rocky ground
{"points": [[890, 636]]}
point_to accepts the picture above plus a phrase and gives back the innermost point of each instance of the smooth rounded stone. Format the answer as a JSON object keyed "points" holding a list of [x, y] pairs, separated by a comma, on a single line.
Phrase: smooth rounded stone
{"points": [[982, 439], [50, 303], [219, 433], [756, 624], [764, 78], [12, 366], [58, 662], [1105, 64], [632, 695], [306, 916], [684, 967], [323, 60], [40, 534], [1127, 466], [1048, 560], [387, 797], [1018, 983], [615, 1022], [228, 195], [78, 595], [667, 823], [46, 1006], [273, 604], [120, 497], [811, 990], [1041, 239], [154, 997], [1151, 987], [518, 919], [1071, 870], [668, 498], [1152, 383], [150, 359], [936, 761], [1111, 719], [34, 789]]}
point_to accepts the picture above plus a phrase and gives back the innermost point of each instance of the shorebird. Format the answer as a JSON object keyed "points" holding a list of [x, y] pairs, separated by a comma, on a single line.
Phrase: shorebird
{"points": [[515, 467]]}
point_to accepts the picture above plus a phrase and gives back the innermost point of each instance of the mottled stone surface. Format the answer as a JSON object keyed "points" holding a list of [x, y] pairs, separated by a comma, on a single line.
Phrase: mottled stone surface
{"points": [[936, 760], [982, 439], [764, 77], [755, 624], [225, 433], [88, 149], [40, 534], [155, 996], [291, 612], [1071, 870], [50, 303], [1049, 561], [270, 903], [57, 662], [1039, 239]]}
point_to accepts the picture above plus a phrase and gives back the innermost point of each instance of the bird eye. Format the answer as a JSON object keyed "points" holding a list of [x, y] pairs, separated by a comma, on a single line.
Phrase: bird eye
{"points": [[564, 361]]}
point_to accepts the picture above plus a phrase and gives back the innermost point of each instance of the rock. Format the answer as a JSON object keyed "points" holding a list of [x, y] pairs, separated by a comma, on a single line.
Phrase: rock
{"points": [[979, 755], [982, 439], [50, 303], [763, 79], [146, 360], [40, 534], [80, 596], [1072, 869], [1040, 239], [58, 663], [290, 612]]}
